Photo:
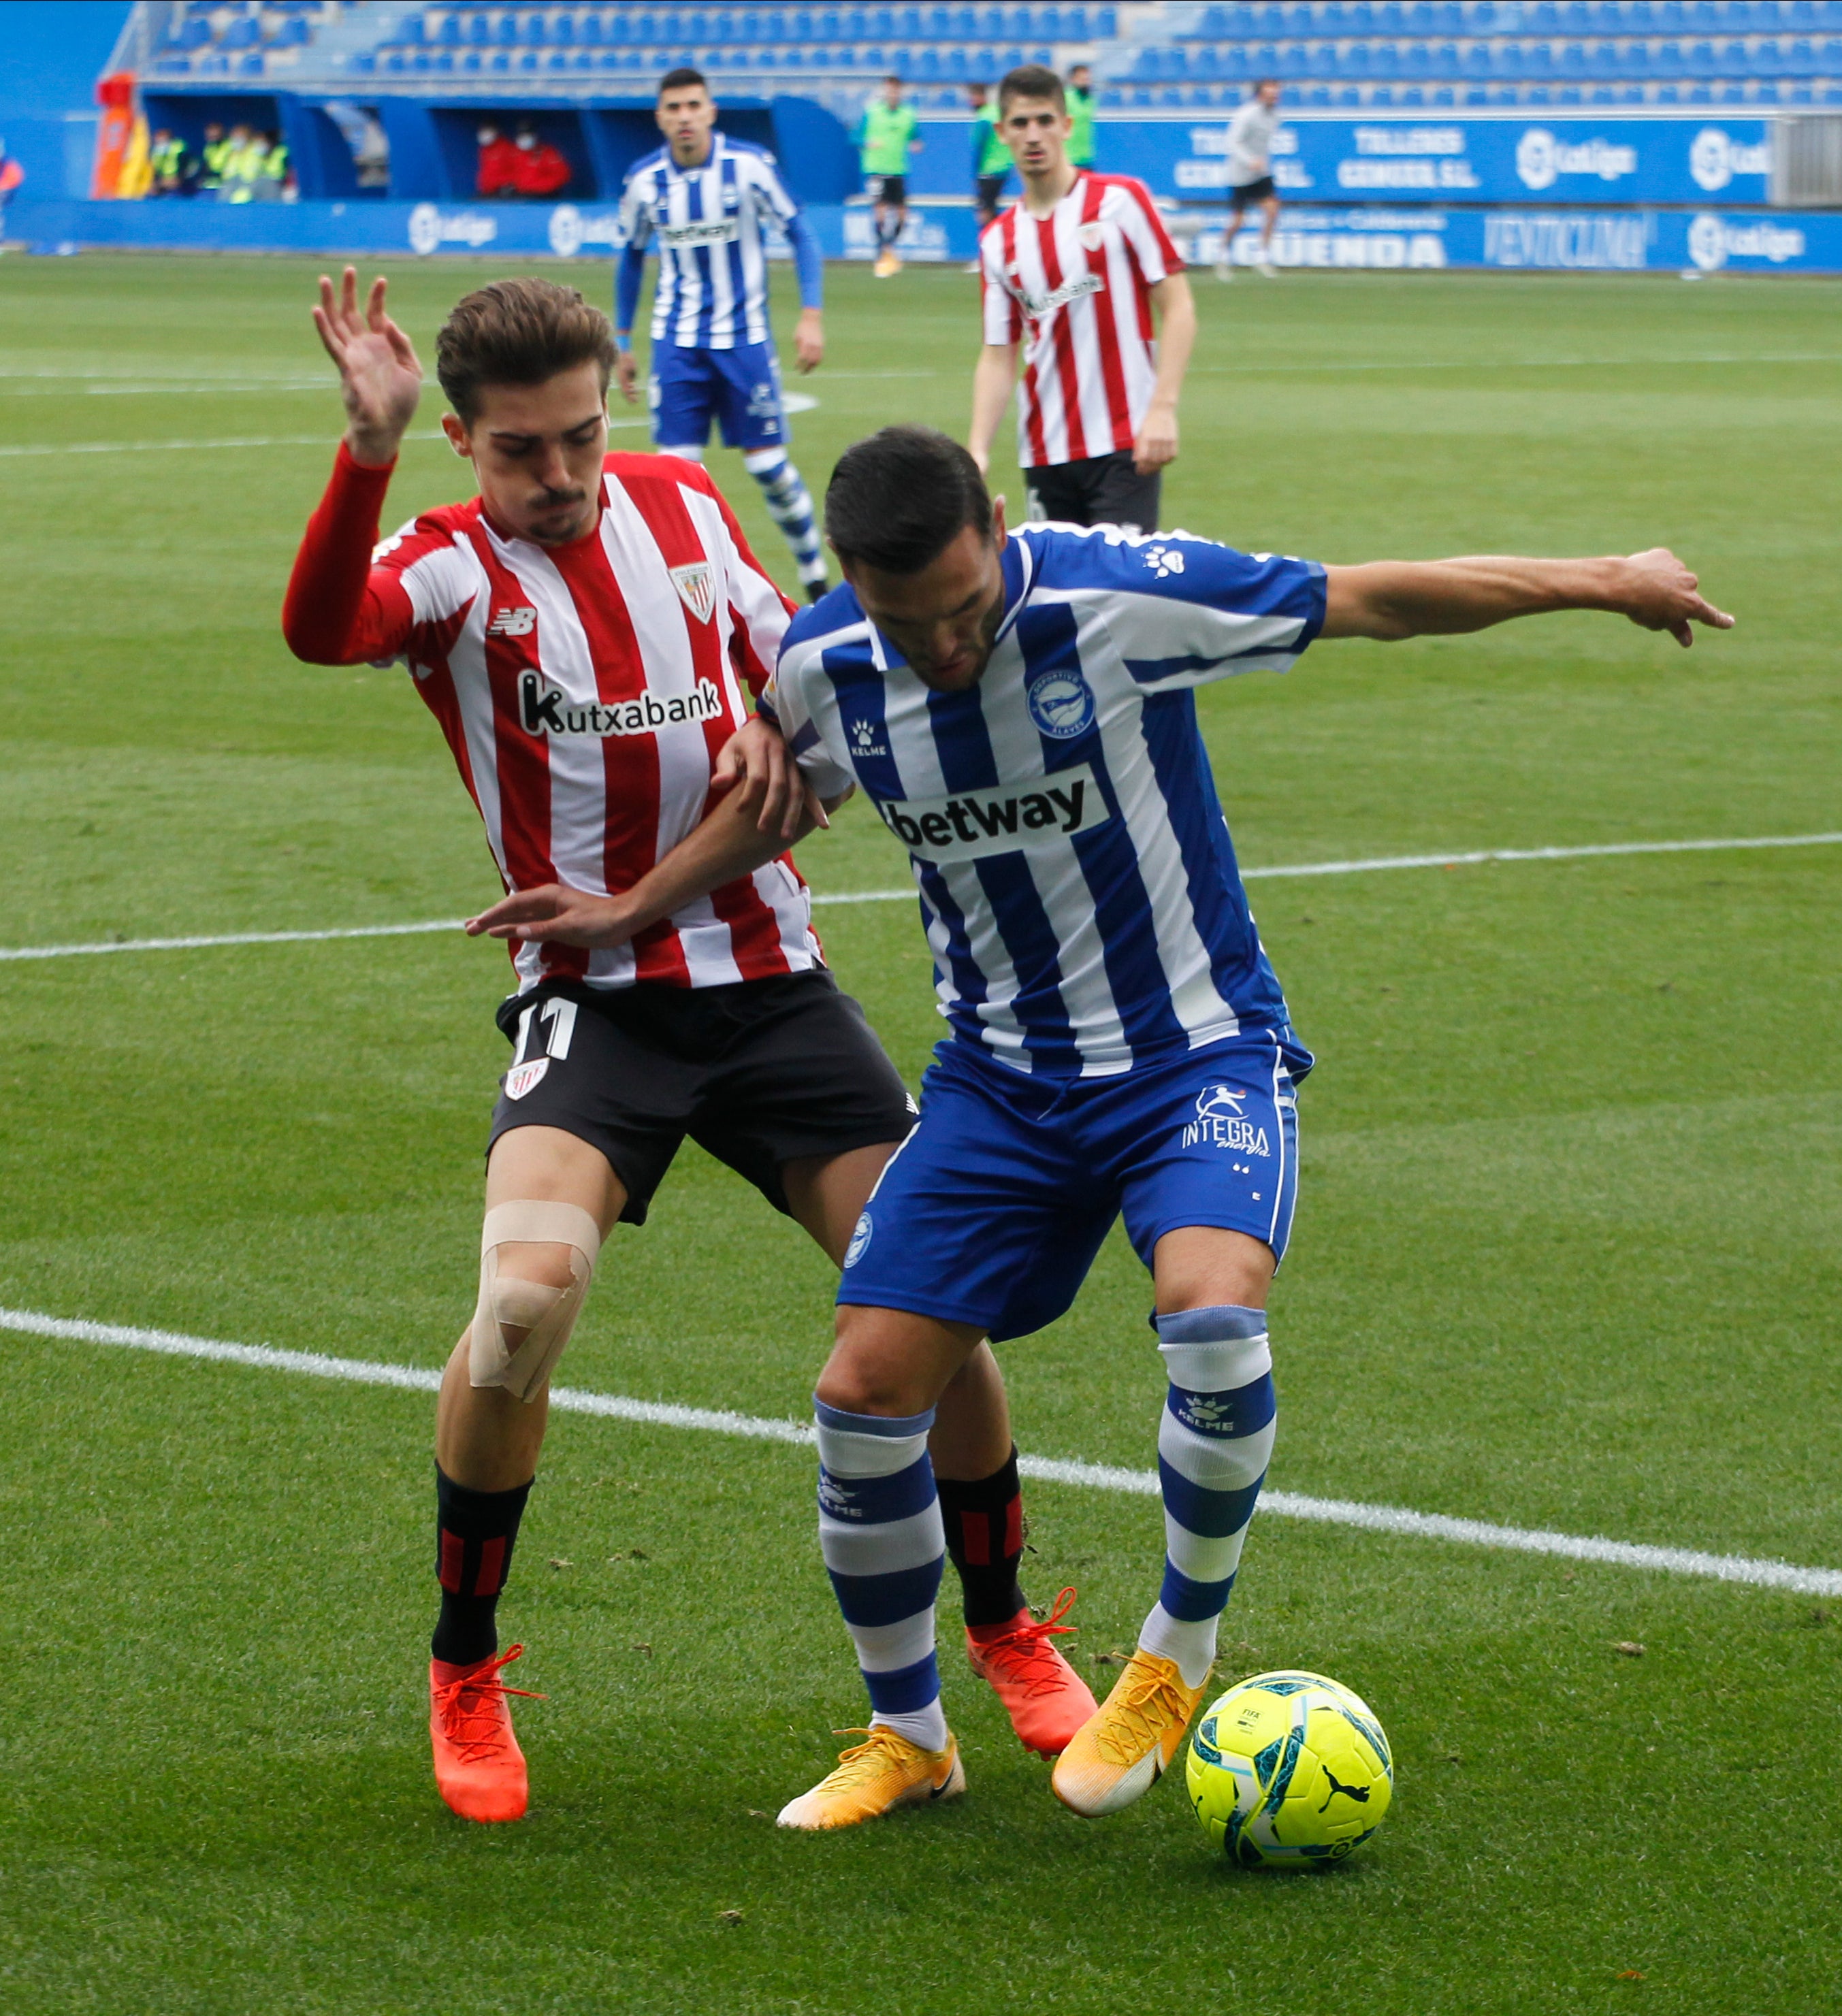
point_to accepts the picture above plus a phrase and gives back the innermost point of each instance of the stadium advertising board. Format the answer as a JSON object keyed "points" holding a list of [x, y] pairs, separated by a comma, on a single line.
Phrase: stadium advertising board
{"points": [[1435, 158], [1386, 237], [1636, 241]]}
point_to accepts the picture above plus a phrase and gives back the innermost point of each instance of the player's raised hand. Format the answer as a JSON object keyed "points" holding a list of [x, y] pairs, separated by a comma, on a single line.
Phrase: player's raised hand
{"points": [[555, 914], [755, 760], [1661, 594], [380, 377]]}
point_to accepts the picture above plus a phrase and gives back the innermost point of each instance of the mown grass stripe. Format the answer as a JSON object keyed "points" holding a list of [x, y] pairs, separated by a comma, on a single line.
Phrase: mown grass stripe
{"points": [[1374, 865], [1049, 1470]]}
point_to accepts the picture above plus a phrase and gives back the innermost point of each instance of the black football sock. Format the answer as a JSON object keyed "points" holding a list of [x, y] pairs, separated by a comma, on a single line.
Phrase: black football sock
{"points": [[475, 1534], [984, 1522]]}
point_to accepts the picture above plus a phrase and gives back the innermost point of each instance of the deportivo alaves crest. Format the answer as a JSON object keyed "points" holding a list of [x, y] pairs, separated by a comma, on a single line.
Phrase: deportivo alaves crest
{"points": [[544, 709]]}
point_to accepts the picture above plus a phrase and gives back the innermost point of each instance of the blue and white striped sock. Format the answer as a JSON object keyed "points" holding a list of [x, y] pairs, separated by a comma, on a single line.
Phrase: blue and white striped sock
{"points": [[1214, 1440], [880, 1532], [790, 504]]}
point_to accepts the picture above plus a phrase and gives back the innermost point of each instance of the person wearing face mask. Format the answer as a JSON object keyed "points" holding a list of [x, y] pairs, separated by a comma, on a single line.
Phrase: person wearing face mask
{"points": [[498, 175], [539, 171]]}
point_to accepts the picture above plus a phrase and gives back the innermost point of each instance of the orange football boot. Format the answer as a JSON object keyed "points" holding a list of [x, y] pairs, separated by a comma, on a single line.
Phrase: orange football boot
{"points": [[1046, 1699], [479, 1767]]}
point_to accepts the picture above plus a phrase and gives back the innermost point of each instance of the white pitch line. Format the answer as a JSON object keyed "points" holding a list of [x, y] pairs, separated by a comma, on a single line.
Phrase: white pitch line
{"points": [[907, 895], [1049, 1470]]}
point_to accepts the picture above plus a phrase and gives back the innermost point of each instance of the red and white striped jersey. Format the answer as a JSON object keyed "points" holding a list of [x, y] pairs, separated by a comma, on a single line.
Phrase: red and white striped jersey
{"points": [[585, 691], [1075, 289]]}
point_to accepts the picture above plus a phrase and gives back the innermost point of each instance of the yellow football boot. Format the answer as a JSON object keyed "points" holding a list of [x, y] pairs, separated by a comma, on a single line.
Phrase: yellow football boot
{"points": [[1130, 1740], [884, 1772]]}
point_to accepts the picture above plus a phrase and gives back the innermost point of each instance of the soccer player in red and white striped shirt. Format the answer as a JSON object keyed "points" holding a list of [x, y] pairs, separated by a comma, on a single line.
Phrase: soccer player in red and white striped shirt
{"points": [[1075, 271], [583, 630]]}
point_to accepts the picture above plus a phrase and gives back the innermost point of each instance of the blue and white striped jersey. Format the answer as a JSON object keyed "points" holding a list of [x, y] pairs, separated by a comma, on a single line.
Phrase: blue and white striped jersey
{"points": [[1077, 885], [707, 223]]}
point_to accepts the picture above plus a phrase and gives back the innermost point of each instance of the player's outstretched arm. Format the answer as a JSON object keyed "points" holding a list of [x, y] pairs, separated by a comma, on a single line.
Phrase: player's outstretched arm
{"points": [[743, 833], [1391, 599]]}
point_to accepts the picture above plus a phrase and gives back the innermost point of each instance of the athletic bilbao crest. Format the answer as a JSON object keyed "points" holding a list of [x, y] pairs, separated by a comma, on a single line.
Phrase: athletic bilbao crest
{"points": [[697, 589], [522, 1078]]}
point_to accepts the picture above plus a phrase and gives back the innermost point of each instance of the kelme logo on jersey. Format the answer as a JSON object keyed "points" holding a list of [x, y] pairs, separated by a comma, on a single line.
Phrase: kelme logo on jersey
{"points": [[543, 710], [865, 739], [999, 818], [1219, 1124], [1062, 704]]}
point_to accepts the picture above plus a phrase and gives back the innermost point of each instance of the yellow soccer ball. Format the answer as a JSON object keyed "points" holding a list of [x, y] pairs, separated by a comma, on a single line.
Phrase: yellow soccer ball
{"points": [[1289, 1770]]}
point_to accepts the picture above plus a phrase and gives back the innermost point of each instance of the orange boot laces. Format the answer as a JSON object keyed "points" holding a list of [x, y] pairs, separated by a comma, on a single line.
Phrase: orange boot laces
{"points": [[1028, 1658], [470, 1708]]}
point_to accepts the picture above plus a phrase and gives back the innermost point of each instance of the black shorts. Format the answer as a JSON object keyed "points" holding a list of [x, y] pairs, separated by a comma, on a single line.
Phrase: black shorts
{"points": [[892, 190], [758, 1072], [1103, 490], [1243, 193], [989, 191]]}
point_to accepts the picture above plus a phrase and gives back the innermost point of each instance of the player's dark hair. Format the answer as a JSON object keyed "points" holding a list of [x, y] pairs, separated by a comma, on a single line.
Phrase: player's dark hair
{"points": [[518, 333], [1032, 80], [681, 79], [899, 498], [1260, 83]]}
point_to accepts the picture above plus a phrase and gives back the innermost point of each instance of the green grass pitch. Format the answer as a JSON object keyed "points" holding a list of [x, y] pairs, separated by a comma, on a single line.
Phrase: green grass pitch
{"points": [[1565, 1255]]}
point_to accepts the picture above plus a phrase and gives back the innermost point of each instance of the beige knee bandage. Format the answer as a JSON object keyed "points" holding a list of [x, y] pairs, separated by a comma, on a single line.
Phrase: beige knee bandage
{"points": [[544, 1314]]}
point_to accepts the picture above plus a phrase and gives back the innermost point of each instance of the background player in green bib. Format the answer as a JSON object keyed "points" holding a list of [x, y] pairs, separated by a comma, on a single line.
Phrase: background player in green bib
{"points": [[991, 158], [1080, 110], [885, 138]]}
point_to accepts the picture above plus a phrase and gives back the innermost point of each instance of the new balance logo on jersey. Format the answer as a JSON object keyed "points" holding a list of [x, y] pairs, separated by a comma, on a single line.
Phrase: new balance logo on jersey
{"points": [[1000, 818], [512, 623], [543, 710], [1219, 1124]]}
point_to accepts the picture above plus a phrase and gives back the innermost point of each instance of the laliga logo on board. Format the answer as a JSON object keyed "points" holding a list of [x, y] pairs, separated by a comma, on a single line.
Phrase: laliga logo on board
{"points": [[1713, 241], [1715, 158], [570, 230], [1541, 159], [430, 228]]}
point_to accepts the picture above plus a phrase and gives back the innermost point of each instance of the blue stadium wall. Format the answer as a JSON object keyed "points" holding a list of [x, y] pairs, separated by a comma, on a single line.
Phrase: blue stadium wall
{"points": [[1406, 190]]}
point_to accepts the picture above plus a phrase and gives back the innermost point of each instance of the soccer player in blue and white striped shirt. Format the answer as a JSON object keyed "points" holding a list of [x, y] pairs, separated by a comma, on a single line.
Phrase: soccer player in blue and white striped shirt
{"points": [[1020, 709], [705, 201]]}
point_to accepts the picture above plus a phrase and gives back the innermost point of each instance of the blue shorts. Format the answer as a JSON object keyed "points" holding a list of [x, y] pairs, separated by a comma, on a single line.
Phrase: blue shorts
{"points": [[741, 387], [992, 1211]]}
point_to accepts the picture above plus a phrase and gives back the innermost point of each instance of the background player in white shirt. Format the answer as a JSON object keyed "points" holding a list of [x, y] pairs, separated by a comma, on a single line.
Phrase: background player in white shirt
{"points": [[1250, 175], [1021, 710], [1074, 271]]}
